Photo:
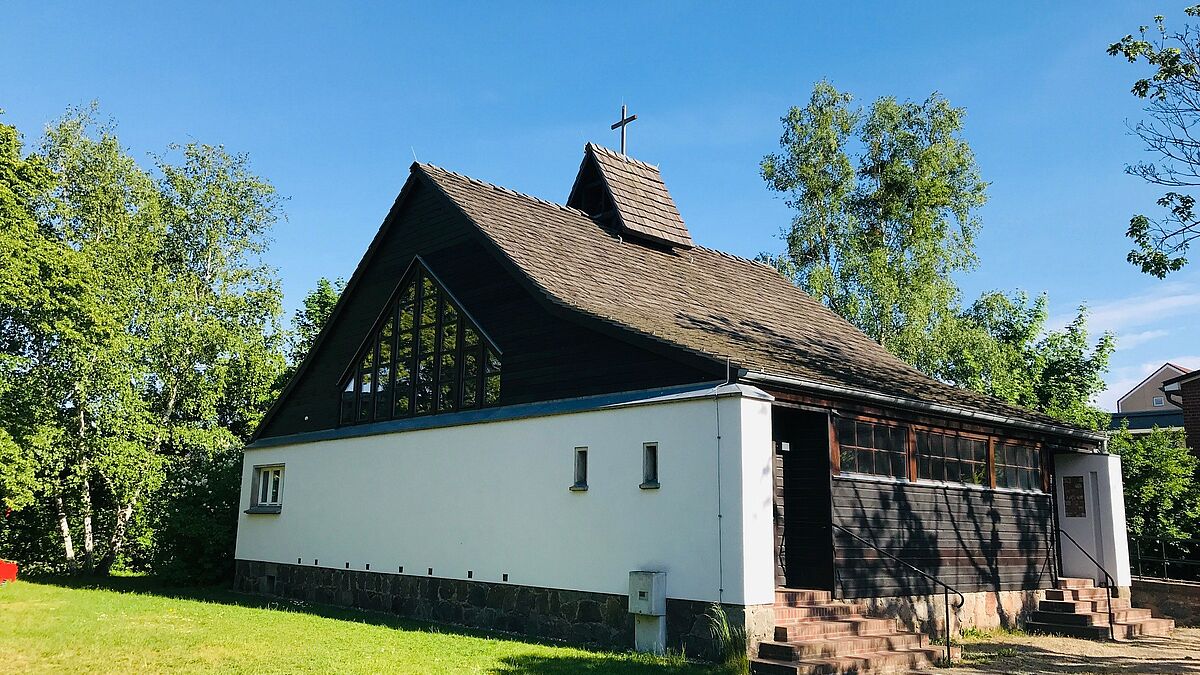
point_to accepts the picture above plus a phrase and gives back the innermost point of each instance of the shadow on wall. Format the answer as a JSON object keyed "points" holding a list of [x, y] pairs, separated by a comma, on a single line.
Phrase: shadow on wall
{"points": [[973, 540]]}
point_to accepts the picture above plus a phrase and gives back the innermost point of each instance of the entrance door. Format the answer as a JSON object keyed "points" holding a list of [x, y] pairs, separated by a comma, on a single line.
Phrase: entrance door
{"points": [[803, 537]]}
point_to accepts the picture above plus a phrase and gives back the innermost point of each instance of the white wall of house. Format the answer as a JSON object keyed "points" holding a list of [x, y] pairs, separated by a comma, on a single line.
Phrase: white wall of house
{"points": [[1100, 527], [493, 498]]}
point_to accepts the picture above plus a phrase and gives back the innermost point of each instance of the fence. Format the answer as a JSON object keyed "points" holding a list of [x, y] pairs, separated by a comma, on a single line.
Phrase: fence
{"points": [[1178, 560]]}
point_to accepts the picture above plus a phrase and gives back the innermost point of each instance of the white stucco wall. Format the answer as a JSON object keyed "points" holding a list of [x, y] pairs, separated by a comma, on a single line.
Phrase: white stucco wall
{"points": [[493, 498], [1102, 530]]}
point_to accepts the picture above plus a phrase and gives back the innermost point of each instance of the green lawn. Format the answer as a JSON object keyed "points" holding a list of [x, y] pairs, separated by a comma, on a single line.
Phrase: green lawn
{"points": [[131, 624]]}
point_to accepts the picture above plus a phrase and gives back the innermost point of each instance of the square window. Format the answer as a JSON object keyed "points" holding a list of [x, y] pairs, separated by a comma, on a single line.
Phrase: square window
{"points": [[267, 487], [1159, 401]]}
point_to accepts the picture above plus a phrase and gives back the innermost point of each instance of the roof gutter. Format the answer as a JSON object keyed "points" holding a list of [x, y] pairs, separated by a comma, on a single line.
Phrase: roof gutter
{"points": [[923, 406]]}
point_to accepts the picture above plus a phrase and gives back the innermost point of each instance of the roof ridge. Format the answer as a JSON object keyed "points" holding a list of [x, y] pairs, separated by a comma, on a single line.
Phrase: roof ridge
{"points": [[616, 155], [501, 188]]}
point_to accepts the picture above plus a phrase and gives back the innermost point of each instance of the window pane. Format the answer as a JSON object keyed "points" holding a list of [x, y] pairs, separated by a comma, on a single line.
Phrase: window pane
{"points": [[447, 378], [899, 464], [449, 314], [408, 295], [264, 486], [951, 467], [429, 306], [470, 337], [406, 317], [365, 399], [493, 362], [428, 336], [866, 460], [424, 395], [491, 393], [863, 432], [845, 432], [449, 337], [275, 486], [385, 348], [849, 459], [470, 394]]}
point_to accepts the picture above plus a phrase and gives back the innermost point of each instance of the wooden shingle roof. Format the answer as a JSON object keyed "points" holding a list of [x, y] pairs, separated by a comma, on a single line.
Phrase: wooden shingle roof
{"points": [[698, 299], [642, 206]]}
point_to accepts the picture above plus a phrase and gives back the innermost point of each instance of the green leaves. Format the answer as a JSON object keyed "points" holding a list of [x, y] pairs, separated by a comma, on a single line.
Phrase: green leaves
{"points": [[1162, 496], [142, 328], [1172, 92], [886, 205]]}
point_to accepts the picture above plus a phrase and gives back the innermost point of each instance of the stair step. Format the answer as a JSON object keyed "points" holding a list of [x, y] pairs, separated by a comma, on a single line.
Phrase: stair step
{"points": [[801, 596], [852, 645], [1122, 630], [788, 614], [1144, 628], [1080, 606], [1075, 582], [793, 631], [1080, 631], [1076, 593], [1090, 618], [874, 662]]}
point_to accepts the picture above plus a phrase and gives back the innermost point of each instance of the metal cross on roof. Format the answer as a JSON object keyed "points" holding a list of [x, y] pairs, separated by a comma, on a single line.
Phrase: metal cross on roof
{"points": [[624, 121]]}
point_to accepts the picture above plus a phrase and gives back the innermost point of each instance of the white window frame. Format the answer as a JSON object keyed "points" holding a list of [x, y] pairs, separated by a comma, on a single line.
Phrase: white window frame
{"points": [[1158, 401], [268, 486]]}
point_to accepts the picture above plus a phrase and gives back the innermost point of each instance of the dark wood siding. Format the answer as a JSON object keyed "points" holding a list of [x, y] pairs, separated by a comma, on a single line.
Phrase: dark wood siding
{"points": [[972, 539], [545, 355], [803, 549]]}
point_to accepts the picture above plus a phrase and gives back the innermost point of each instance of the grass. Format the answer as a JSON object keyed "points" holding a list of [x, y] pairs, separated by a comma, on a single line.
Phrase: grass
{"points": [[133, 624]]}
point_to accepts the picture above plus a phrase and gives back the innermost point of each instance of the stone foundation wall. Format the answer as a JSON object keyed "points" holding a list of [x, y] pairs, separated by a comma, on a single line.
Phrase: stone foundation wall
{"points": [[983, 610], [579, 617], [1179, 600]]}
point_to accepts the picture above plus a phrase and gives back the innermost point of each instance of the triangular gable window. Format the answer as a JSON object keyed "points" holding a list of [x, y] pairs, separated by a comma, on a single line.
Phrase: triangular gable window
{"points": [[425, 356]]}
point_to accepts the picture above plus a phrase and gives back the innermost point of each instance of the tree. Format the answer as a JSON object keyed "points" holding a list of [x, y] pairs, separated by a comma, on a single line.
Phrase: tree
{"points": [[1162, 495], [311, 317], [886, 206], [1172, 95], [1005, 349], [878, 243], [141, 339]]}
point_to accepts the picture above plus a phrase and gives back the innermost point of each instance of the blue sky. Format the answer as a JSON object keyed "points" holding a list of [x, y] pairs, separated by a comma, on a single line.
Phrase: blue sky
{"points": [[332, 102]]}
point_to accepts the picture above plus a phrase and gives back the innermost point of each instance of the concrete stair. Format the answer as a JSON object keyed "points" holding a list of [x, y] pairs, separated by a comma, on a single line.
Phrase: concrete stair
{"points": [[1078, 609], [816, 636]]}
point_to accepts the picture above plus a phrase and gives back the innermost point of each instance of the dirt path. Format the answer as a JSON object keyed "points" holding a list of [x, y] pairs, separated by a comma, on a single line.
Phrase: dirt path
{"points": [[1037, 654]]}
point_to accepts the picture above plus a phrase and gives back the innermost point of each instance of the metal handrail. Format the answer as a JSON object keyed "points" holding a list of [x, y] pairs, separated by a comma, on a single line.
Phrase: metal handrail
{"points": [[946, 588], [1109, 582], [1165, 559]]}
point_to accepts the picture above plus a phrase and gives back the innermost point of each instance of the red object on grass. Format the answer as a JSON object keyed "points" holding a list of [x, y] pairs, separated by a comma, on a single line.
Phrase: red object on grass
{"points": [[8, 571]]}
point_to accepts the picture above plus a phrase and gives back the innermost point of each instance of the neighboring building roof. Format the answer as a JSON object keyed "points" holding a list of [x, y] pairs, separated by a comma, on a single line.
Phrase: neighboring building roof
{"points": [[643, 206], [1144, 420], [701, 300], [1152, 376], [1187, 376]]}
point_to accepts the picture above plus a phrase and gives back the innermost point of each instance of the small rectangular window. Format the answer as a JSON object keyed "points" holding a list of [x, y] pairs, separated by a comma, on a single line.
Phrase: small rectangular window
{"points": [[1159, 401], [581, 469], [268, 487], [649, 466]]}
